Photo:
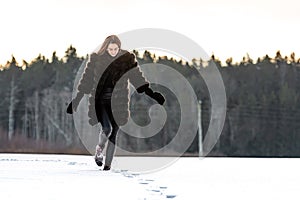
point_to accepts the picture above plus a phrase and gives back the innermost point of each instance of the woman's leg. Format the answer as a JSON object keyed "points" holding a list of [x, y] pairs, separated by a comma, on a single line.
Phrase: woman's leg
{"points": [[106, 123], [104, 133], [109, 131], [111, 146]]}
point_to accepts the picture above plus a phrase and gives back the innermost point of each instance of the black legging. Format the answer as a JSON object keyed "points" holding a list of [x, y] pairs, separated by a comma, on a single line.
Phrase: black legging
{"points": [[109, 130]]}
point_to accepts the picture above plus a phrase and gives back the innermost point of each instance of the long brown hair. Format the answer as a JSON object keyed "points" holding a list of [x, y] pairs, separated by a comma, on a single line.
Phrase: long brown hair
{"points": [[112, 39]]}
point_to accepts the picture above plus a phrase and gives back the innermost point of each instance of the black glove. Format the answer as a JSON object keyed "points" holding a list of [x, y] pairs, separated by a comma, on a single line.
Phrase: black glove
{"points": [[158, 97], [70, 108], [74, 103]]}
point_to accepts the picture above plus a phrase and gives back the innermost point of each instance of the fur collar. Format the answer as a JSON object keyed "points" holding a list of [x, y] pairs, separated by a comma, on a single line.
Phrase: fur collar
{"points": [[123, 58], [117, 66]]}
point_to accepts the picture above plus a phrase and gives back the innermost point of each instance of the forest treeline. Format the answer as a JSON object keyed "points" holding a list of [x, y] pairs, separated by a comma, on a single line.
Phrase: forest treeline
{"points": [[262, 117]]}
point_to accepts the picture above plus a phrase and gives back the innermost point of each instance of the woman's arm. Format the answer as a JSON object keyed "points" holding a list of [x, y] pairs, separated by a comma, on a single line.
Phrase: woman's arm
{"points": [[85, 84], [136, 77]]}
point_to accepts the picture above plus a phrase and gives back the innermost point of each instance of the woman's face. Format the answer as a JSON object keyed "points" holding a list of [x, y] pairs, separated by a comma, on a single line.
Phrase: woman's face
{"points": [[113, 49]]}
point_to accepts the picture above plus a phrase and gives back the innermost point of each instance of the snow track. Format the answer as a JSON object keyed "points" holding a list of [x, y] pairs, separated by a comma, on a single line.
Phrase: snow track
{"points": [[63, 177], [27, 176]]}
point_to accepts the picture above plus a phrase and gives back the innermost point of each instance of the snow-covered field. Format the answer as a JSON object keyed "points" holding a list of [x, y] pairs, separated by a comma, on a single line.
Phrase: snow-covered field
{"points": [[62, 177]]}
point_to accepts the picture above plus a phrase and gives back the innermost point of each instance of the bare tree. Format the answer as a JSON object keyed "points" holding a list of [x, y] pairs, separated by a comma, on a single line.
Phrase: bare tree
{"points": [[12, 105]]}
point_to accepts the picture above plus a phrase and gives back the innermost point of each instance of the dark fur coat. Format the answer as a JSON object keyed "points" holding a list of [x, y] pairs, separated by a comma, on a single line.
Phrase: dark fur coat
{"points": [[95, 75]]}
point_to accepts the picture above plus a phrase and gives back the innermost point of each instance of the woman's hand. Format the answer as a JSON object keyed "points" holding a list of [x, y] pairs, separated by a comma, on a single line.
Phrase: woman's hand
{"points": [[158, 97], [155, 95], [70, 108]]}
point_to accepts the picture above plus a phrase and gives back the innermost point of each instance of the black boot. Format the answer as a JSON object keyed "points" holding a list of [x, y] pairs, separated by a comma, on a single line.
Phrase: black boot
{"points": [[106, 168]]}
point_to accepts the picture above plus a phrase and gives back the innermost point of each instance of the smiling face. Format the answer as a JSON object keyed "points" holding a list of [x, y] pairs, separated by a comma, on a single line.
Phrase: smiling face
{"points": [[113, 49]]}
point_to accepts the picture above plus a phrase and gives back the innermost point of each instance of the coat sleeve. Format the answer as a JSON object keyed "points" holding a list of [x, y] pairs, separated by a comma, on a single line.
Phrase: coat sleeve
{"points": [[136, 76], [86, 82]]}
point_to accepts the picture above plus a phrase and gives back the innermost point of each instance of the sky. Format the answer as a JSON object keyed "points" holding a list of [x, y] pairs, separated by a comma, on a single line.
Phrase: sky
{"points": [[225, 28]]}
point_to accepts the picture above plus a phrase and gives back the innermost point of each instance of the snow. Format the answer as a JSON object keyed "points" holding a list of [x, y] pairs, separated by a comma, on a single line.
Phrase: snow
{"points": [[40, 176]]}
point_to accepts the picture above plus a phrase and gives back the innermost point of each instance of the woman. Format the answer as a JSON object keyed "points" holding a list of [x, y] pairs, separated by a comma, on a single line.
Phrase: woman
{"points": [[101, 74]]}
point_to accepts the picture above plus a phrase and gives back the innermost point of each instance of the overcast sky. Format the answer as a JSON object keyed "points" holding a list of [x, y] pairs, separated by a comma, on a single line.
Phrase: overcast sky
{"points": [[228, 28]]}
